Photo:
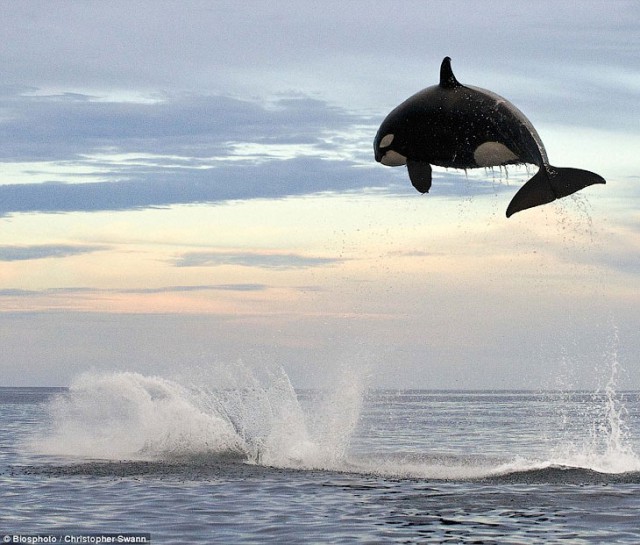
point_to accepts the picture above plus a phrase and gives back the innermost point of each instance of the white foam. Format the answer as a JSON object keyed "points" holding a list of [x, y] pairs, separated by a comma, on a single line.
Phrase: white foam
{"points": [[124, 415], [131, 416], [258, 416]]}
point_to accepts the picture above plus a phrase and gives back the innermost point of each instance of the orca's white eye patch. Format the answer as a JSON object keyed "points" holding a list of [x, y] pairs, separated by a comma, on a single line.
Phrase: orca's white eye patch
{"points": [[386, 140]]}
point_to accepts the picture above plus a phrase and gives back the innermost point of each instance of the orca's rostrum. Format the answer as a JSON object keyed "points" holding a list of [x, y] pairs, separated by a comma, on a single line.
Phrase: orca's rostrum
{"points": [[460, 126]]}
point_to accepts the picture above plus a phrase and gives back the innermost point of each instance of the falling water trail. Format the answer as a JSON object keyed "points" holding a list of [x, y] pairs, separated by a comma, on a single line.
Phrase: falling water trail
{"points": [[591, 427]]}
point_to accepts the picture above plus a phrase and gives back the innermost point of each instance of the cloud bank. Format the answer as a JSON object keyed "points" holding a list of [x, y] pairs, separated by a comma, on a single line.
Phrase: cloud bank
{"points": [[254, 259], [44, 251]]}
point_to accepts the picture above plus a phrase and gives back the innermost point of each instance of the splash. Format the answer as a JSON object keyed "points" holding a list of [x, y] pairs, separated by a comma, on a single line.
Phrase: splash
{"points": [[130, 416], [258, 419], [608, 447], [256, 416]]}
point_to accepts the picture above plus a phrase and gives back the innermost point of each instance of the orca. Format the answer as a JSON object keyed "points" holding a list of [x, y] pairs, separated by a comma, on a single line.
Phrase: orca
{"points": [[460, 126]]}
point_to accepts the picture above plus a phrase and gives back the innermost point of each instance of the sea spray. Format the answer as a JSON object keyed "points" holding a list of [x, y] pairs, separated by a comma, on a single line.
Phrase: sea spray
{"points": [[613, 426], [257, 416], [339, 412], [268, 416], [596, 435], [286, 428], [130, 416]]}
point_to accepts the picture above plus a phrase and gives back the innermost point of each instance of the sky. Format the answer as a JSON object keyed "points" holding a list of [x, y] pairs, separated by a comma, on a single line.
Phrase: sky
{"points": [[188, 185]]}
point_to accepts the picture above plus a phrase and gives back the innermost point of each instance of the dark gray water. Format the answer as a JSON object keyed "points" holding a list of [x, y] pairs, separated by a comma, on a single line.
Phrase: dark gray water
{"points": [[267, 464]]}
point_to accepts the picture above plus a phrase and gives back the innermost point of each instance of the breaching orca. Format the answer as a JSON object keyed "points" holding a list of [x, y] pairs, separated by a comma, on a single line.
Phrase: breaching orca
{"points": [[459, 126]]}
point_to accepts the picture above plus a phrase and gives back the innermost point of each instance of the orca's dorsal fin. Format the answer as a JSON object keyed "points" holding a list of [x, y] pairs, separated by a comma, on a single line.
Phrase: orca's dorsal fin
{"points": [[447, 79]]}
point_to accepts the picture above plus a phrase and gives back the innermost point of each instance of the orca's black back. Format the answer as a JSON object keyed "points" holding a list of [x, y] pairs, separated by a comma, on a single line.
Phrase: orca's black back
{"points": [[444, 127]]}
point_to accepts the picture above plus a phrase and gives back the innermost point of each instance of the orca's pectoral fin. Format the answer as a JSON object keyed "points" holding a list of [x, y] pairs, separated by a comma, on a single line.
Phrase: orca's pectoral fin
{"points": [[420, 175], [551, 183]]}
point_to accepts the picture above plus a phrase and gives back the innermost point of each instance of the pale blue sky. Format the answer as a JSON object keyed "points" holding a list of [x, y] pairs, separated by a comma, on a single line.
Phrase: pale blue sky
{"points": [[185, 184]]}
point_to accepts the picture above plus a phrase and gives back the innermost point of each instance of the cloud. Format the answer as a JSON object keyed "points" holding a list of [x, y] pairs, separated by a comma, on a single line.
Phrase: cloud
{"points": [[71, 291], [10, 292], [581, 65], [211, 287], [187, 149], [64, 127], [165, 187], [158, 187], [253, 259], [44, 251]]}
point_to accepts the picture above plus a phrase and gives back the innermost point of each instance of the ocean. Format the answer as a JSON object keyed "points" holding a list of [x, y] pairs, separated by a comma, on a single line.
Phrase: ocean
{"points": [[121, 455]]}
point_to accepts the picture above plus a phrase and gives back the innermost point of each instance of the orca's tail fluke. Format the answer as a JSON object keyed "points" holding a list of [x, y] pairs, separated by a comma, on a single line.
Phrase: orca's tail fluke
{"points": [[551, 183]]}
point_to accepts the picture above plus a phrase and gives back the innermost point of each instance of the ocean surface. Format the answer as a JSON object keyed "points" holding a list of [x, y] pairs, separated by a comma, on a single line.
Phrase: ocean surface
{"points": [[260, 462]]}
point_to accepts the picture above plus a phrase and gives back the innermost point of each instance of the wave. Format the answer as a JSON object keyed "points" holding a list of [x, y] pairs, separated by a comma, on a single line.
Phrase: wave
{"points": [[213, 466], [489, 469], [580, 469], [257, 419], [550, 474]]}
